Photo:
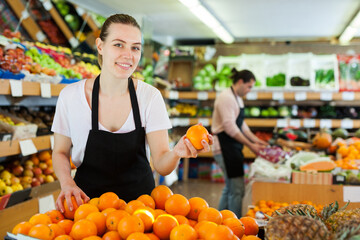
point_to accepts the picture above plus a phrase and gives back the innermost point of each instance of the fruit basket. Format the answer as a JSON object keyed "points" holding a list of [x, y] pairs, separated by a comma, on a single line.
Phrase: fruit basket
{"points": [[19, 128]]}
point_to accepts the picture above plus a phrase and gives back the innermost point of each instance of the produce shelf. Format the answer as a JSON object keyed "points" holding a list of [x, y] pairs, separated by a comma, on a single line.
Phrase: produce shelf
{"points": [[308, 123], [87, 17], [246, 151], [29, 88], [9, 148], [29, 24], [185, 122]]}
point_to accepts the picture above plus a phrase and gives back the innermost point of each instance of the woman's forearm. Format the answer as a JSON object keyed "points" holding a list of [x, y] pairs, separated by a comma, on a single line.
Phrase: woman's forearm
{"points": [[62, 168], [166, 163]]}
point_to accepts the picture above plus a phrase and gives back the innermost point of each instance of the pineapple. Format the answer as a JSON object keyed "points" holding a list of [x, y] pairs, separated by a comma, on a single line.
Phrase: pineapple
{"points": [[335, 218], [297, 209], [293, 227], [349, 231]]}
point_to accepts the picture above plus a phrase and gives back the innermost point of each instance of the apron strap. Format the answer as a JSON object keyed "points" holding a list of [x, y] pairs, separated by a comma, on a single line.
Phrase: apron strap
{"points": [[134, 104], [235, 97], [95, 104]]}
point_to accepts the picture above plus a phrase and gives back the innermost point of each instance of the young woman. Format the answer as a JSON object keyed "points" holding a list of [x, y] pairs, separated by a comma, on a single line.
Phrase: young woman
{"points": [[110, 124]]}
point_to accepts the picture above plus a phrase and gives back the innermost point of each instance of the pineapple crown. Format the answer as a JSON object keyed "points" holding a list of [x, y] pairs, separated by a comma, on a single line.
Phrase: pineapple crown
{"points": [[300, 212], [349, 233], [331, 209]]}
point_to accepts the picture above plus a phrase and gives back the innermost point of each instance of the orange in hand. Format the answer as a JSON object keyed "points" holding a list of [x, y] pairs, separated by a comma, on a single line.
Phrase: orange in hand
{"points": [[196, 134]]}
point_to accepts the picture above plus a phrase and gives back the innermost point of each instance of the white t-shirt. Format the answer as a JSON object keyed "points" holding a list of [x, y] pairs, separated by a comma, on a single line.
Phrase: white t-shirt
{"points": [[73, 116]]}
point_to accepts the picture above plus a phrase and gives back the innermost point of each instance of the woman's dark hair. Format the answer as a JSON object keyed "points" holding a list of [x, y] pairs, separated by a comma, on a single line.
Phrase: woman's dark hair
{"points": [[245, 75], [116, 18]]}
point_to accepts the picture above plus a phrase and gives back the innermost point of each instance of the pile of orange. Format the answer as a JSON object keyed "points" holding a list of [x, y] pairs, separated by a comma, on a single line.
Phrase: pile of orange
{"points": [[161, 216], [348, 156], [268, 207]]}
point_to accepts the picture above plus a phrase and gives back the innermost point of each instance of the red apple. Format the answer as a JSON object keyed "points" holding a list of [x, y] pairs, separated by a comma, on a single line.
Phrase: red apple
{"points": [[37, 171], [35, 182], [49, 171], [41, 178], [18, 170]]}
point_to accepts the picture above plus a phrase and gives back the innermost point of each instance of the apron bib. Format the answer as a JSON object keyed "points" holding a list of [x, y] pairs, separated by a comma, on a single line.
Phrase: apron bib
{"points": [[231, 149], [115, 162]]}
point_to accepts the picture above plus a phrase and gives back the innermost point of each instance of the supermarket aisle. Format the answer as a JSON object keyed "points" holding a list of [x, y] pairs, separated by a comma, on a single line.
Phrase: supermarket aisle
{"points": [[206, 189]]}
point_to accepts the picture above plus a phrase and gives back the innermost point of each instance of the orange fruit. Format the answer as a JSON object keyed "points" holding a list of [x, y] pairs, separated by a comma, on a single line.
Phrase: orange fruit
{"points": [[133, 205], [183, 232], [107, 211], [228, 214], [129, 225], [137, 236], [63, 237], [22, 228], [94, 201], [41, 231], [44, 155], [108, 200], [163, 225], [220, 232], [235, 237], [113, 219], [204, 227], [55, 216], [82, 229], [84, 210], [235, 225], [177, 204], [56, 229], [122, 204], [100, 221], [251, 237], [152, 236], [111, 235], [182, 220], [147, 217], [196, 134], [92, 238], [66, 224], [250, 225], [197, 204], [210, 214], [147, 200], [160, 194], [40, 218], [158, 212], [70, 214]]}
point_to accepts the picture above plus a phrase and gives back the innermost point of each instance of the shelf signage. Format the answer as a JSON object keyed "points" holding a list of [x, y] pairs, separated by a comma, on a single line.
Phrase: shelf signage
{"points": [[16, 88], [351, 193], [309, 123], [202, 96], [27, 147], [300, 96], [282, 123], [279, 96], [347, 123], [325, 123], [326, 96], [46, 203], [40, 36], [47, 5], [295, 123], [252, 96], [181, 122], [73, 42], [25, 14], [173, 95], [52, 140], [45, 89], [204, 121], [348, 96]]}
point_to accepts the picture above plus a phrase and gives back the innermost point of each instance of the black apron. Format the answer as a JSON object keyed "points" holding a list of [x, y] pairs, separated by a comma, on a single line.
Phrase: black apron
{"points": [[115, 162], [231, 149]]}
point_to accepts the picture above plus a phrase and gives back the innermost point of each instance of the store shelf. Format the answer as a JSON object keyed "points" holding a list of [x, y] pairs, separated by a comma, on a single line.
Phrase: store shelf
{"points": [[29, 24], [86, 17], [246, 151], [9, 148], [29, 88], [307, 123], [202, 95], [186, 122]]}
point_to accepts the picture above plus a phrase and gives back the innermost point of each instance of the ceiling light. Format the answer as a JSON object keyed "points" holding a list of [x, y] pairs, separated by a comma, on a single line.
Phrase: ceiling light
{"points": [[201, 12], [350, 30]]}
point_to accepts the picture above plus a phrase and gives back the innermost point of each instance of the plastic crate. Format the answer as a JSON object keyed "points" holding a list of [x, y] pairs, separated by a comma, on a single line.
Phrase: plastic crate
{"points": [[325, 62], [299, 66], [255, 64], [274, 65]]}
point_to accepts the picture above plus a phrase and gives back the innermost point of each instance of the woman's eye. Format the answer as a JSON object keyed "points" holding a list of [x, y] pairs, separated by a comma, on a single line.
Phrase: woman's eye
{"points": [[118, 45], [136, 48]]}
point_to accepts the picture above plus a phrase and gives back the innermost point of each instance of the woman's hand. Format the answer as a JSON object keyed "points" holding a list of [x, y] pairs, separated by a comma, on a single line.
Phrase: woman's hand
{"points": [[184, 148], [66, 193]]}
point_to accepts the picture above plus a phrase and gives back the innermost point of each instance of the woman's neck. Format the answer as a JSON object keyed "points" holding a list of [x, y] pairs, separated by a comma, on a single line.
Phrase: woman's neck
{"points": [[111, 86]]}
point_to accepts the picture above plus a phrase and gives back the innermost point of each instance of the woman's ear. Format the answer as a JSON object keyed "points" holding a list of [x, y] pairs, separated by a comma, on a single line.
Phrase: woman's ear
{"points": [[99, 44]]}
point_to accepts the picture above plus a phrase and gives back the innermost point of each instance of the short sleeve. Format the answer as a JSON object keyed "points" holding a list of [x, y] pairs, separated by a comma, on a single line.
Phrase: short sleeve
{"points": [[156, 115], [61, 123]]}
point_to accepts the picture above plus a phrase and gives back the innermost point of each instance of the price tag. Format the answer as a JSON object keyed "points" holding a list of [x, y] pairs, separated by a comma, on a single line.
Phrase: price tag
{"points": [[25, 14], [204, 121], [46, 203], [52, 140], [252, 96], [80, 11], [174, 122], [202, 96], [281, 123], [325, 123], [295, 123], [45, 89], [348, 96], [309, 123], [278, 96], [183, 122], [173, 95], [73, 42], [27, 147], [16, 88], [347, 123], [351, 193], [300, 96], [326, 96], [47, 5], [40, 36], [20, 237]]}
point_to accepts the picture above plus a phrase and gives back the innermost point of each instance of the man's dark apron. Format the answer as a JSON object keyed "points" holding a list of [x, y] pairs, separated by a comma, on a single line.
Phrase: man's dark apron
{"points": [[115, 162], [232, 149]]}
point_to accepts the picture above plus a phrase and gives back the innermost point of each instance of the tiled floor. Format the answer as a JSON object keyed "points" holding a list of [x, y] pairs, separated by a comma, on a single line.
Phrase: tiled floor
{"points": [[206, 189]]}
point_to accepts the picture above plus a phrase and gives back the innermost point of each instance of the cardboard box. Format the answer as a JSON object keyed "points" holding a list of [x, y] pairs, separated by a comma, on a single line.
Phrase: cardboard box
{"points": [[25, 130], [312, 178]]}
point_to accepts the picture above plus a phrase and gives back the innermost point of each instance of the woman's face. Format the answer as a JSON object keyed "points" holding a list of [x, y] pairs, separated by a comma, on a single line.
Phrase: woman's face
{"points": [[121, 50]]}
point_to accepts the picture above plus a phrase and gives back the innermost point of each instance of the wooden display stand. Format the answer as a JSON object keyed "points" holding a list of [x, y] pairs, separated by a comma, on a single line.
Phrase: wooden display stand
{"points": [[287, 192]]}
